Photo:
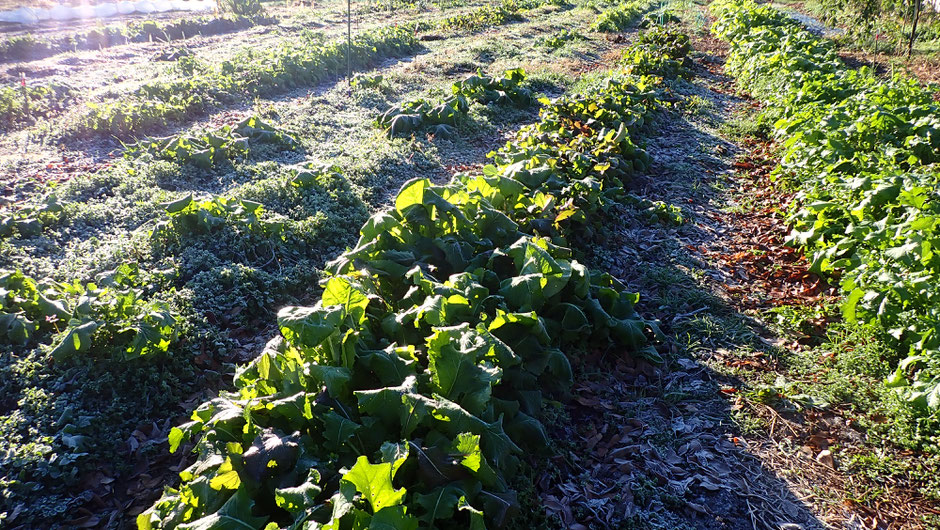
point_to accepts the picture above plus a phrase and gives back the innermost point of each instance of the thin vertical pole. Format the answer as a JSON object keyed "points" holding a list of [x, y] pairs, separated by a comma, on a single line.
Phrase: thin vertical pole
{"points": [[910, 43], [348, 43], [25, 95], [25, 108]]}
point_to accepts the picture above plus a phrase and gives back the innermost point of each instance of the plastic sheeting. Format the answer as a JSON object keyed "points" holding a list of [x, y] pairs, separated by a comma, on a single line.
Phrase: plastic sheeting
{"points": [[30, 15]]}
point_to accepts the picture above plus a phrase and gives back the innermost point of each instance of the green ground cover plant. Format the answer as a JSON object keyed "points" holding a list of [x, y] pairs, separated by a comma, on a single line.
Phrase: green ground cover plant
{"points": [[658, 51], [211, 148]]}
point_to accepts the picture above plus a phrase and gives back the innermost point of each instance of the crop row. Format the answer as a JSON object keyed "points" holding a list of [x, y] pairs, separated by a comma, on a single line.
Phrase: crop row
{"points": [[29, 47], [864, 152], [402, 399], [195, 87], [307, 60], [198, 86]]}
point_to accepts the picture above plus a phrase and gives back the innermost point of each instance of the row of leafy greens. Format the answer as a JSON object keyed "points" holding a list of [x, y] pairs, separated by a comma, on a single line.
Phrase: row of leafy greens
{"points": [[196, 86], [404, 397], [864, 152]]}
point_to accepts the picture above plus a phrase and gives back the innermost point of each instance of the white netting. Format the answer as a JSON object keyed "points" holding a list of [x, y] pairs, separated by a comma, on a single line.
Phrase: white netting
{"points": [[29, 15]]}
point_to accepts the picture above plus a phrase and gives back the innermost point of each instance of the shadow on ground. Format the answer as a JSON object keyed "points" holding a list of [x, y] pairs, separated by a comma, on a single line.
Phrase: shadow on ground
{"points": [[659, 446]]}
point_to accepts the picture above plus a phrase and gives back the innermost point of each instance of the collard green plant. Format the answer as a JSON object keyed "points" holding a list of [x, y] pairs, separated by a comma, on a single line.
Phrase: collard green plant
{"points": [[659, 51], [30, 221], [211, 148], [446, 114], [660, 17], [560, 39], [112, 312]]}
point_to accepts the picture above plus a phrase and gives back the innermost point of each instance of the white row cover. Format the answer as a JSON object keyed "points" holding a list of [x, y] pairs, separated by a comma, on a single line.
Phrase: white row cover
{"points": [[29, 15]]}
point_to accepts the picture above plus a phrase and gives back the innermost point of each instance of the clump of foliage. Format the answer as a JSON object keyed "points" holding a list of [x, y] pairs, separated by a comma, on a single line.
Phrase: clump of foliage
{"points": [[22, 47], [486, 16], [864, 152], [389, 5], [661, 17], [19, 106], [504, 89], [669, 42], [480, 18], [446, 114], [29, 221], [212, 148], [361, 80], [414, 114], [655, 211], [658, 51], [112, 312], [188, 217], [621, 16], [560, 39]]}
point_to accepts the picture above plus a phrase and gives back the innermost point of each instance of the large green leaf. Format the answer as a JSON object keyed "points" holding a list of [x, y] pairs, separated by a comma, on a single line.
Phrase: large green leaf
{"points": [[77, 339], [307, 327], [459, 371], [339, 291], [374, 482], [299, 499], [439, 504], [401, 405], [412, 193], [235, 514]]}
